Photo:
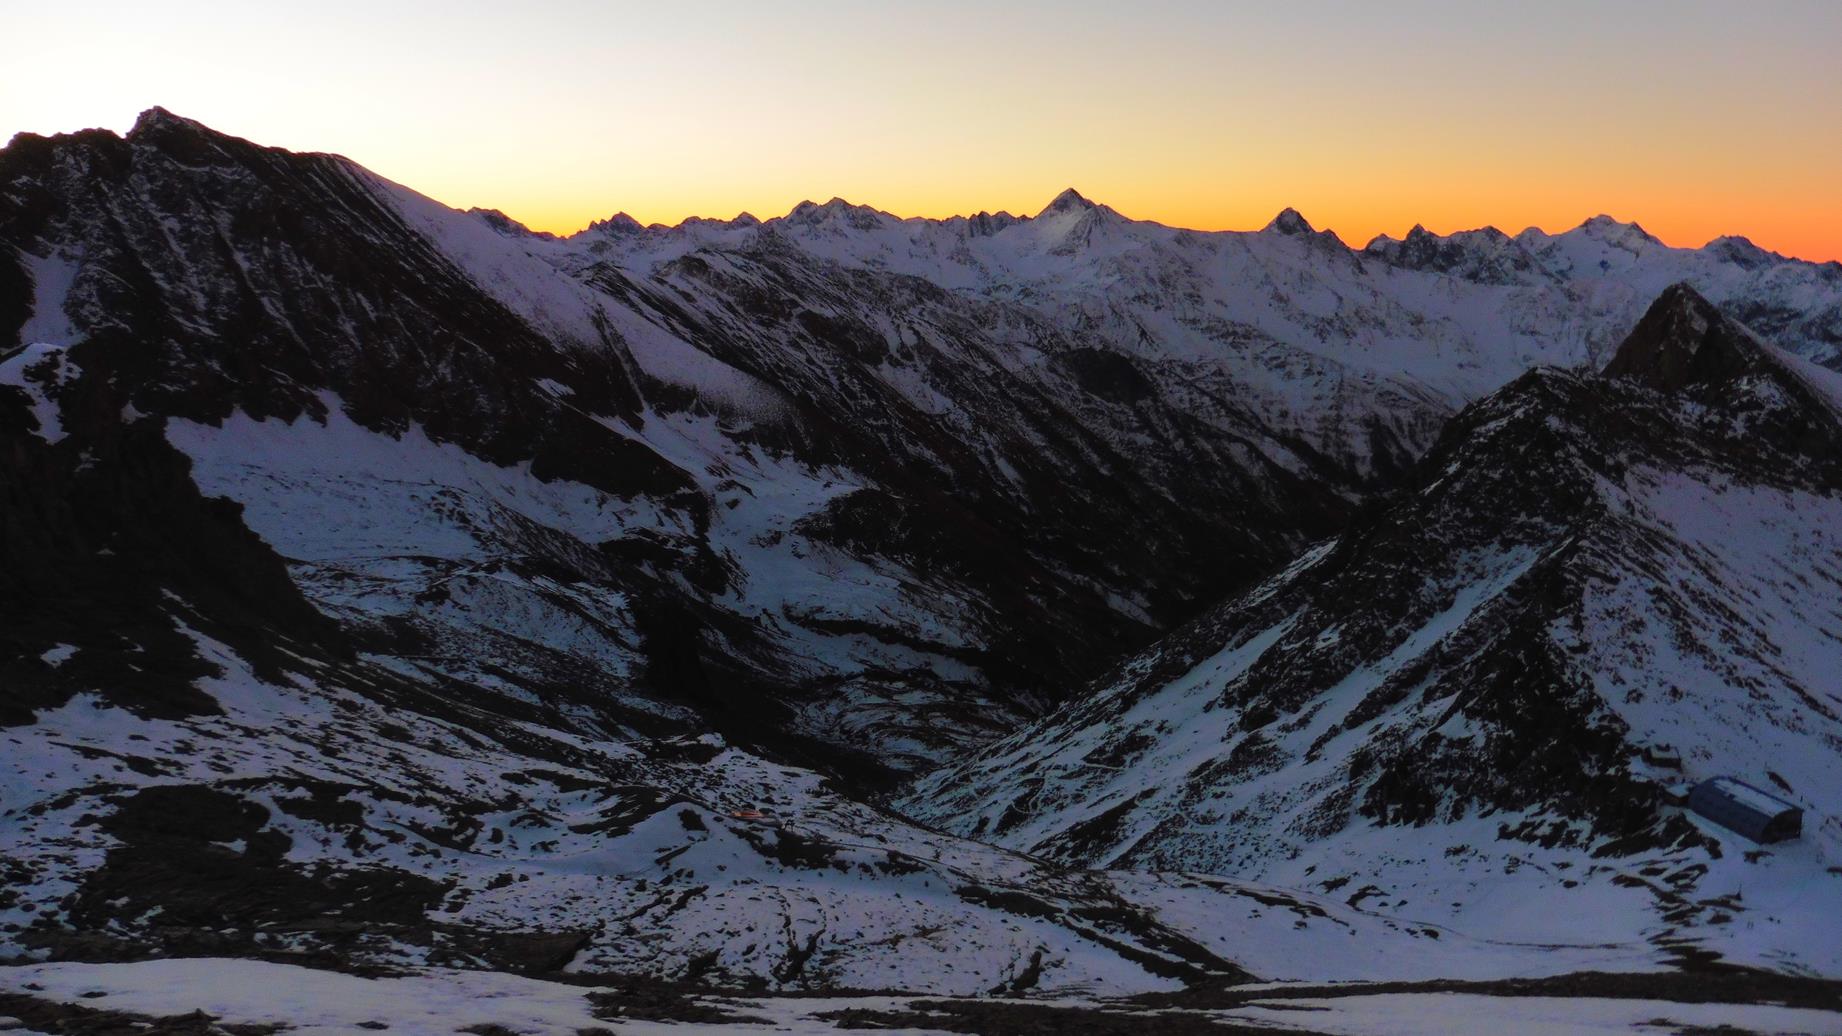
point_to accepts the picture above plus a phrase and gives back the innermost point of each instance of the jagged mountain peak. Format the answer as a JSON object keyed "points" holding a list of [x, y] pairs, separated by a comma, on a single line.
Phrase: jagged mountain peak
{"points": [[1069, 200], [1485, 255], [508, 226], [1071, 224], [1685, 341], [741, 221], [1290, 222], [158, 119], [836, 211], [619, 223], [1482, 235], [835, 205], [1616, 232], [1742, 252], [985, 224]]}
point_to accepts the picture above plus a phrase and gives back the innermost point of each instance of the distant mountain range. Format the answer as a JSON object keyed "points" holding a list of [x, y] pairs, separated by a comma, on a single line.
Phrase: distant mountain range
{"points": [[816, 602]]}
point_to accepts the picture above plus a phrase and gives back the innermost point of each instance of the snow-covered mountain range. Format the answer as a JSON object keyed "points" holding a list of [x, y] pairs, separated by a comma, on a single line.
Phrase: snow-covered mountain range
{"points": [[386, 583]]}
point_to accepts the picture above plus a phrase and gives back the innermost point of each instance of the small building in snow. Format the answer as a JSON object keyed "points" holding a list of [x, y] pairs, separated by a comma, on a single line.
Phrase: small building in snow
{"points": [[1663, 756], [1738, 806]]}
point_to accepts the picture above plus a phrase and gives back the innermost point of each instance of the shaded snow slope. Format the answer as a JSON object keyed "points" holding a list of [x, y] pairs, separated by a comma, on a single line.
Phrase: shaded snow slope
{"points": [[1468, 706]]}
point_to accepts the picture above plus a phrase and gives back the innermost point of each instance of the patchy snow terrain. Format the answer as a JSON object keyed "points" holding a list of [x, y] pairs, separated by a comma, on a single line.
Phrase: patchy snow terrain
{"points": [[391, 589], [1471, 707], [310, 821]]}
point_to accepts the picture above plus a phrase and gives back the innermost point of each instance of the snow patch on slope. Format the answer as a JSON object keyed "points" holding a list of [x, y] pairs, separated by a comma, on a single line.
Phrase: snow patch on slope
{"points": [[41, 371], [52, 277], [310, 488]]}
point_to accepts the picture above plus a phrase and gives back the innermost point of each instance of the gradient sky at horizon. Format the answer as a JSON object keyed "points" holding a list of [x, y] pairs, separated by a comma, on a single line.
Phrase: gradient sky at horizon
{"points": [[1694, 119]]}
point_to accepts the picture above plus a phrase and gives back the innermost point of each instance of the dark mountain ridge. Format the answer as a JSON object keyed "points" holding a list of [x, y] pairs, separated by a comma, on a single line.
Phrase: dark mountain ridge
{"points": [[203, 276]]}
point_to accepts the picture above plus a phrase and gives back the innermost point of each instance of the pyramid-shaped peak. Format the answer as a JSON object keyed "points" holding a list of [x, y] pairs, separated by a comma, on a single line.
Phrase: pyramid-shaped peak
{"points": [[1684, 341], [1291, 223], [1069, 200], [1681, 297]]}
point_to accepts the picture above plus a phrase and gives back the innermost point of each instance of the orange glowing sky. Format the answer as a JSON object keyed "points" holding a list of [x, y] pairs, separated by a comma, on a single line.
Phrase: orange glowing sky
{"points": [[1693, 119]]}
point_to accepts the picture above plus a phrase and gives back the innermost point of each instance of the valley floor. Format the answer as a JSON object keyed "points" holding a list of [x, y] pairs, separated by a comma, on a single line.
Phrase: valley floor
{"points": [[247, 998]]}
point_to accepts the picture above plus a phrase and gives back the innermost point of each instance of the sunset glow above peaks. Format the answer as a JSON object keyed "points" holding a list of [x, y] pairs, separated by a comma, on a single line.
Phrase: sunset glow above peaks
{"points": [[1695, 120]]}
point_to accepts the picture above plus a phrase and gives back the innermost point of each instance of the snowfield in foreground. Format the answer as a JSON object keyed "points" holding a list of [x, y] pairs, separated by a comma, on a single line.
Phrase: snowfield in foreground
{"points": [[439, 1003]]}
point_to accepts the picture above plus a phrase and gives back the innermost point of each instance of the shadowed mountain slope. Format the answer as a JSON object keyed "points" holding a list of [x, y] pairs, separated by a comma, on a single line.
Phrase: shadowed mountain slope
{"points": [[1592, 589]]}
